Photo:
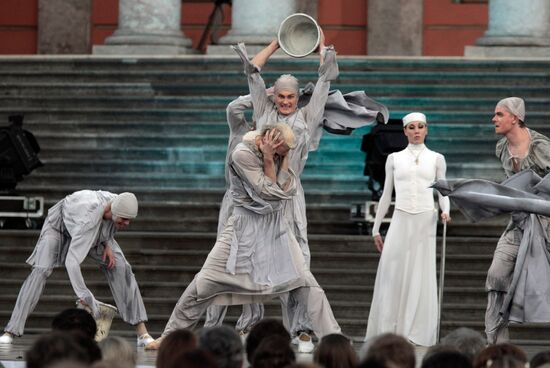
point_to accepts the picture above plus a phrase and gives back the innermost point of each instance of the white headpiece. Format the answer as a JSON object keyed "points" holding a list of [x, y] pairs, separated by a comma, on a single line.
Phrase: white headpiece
{"points": [[125, 205], [414, 116], [515, 106]]}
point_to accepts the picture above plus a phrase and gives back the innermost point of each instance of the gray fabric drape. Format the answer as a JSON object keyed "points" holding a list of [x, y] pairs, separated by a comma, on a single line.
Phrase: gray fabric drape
{"points": [[527, 197]]}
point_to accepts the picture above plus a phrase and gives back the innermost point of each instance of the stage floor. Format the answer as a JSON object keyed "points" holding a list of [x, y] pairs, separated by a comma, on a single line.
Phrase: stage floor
{"points": [[13, 356]]}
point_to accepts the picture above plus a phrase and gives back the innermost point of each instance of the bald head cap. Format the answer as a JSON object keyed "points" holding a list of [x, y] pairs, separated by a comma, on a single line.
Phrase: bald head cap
{"points": [[514, 105], [125, 205], [286, 82]]}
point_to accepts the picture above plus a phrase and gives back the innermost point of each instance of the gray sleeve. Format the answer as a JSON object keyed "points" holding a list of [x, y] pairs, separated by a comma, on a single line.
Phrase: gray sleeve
{"points": [[245, 165], [81, 244], [313, 111], [256, 84], [235, 112]]}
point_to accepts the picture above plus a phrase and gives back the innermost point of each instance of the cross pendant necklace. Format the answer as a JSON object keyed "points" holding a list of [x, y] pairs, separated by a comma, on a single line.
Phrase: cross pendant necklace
{"points": [[416, 156]]}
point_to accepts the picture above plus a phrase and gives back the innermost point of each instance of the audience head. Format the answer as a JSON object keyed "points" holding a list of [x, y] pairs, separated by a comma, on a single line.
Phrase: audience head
{"points": [[467, 341], [57, 346], [335, 351], [390, 350], [438, 348], [491, 354], [224, 344], [447, 359], [177, 342], [195, 358], [117, 350], [265, 328], [540, 359], [75, 319], [273, 352]]}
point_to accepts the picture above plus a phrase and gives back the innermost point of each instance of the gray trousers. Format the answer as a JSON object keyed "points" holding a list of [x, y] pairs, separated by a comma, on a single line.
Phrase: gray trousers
{"points": [[189, 309], [121, 279], [295, 317], [498, 282], [251, 314]]}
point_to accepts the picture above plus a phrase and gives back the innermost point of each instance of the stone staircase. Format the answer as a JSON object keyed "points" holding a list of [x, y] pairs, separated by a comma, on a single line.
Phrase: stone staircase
{"points": [[156, 126]]}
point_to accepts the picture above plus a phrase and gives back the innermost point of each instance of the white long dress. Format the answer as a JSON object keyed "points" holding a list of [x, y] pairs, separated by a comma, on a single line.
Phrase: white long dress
{"points": [[405, 291]]}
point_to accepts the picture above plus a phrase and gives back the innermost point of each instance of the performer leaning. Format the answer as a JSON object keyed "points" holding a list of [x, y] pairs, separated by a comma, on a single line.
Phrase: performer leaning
{"points": [[238, 127], [83, 224], [256, 257], [520, 149], [405, 291]]}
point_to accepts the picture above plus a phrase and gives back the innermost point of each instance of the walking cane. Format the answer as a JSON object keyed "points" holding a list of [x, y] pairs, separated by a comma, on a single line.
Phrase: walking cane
{"points": [[441, 278]]}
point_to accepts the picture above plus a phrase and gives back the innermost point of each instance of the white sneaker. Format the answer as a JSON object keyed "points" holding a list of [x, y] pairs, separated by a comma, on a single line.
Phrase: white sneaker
{"points": [[305, 345], [143, 340], [6, 338]]}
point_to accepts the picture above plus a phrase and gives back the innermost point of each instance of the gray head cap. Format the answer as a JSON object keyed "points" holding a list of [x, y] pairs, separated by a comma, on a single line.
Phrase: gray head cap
{"points": [[514, 105]]}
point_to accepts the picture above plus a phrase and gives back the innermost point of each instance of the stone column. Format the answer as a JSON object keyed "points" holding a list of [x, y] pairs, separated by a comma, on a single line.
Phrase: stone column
{"points": [[64, 26], [395, 27], [150, 27], [256, 23], [516, 28]]}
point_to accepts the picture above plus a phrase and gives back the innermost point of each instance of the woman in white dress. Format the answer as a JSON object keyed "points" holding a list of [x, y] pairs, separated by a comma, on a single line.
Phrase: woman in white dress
{"points": [[405, 291]]}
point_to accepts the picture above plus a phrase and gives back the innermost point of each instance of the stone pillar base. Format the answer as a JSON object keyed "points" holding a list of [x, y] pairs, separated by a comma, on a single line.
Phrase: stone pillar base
{"points": [[142, 50], [507, 51]]}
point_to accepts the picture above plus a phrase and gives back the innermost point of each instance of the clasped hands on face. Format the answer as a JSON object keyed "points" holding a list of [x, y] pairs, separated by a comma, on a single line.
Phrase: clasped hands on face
{"points": [[270, 142]]}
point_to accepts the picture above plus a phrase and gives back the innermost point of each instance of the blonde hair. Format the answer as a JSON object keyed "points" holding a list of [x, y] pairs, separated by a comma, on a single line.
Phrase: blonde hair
{"points": [[118, 350], [286, 132]]}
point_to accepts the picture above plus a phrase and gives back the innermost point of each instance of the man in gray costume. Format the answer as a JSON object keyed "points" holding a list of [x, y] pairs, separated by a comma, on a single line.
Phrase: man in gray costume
{"points": [[83, 224], [337, 114], [521, 255], [256, 257], [520, 149]]}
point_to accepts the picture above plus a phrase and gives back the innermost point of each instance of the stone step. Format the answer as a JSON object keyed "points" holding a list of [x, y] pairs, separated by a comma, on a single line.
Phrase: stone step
{"points": [[189, 195], [87, 63], [235, 76], [138, 240], [130, 101], [218, 154], [196, 114], [184, 274], [367, 259]]}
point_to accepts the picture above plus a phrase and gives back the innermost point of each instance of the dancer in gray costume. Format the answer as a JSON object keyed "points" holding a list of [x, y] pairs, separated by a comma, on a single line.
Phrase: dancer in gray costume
{"points": [[238, 127], [80, 225], [256, 257], [525, 157]]}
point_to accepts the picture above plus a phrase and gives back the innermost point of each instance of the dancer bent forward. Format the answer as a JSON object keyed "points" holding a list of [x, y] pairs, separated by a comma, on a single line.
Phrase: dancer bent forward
{"points": [[256, 257]]}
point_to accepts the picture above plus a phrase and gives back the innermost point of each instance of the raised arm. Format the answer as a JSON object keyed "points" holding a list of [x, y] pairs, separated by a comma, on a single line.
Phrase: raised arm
{"points": [[235, 112], [313, 111], [256, 84], [260, 59]]}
